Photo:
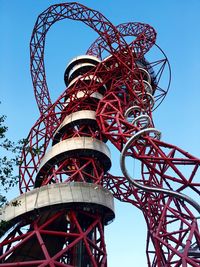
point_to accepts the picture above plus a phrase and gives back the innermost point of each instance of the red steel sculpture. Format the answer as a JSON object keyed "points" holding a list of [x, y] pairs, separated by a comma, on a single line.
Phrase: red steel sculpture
{"points": [[66, 188]]}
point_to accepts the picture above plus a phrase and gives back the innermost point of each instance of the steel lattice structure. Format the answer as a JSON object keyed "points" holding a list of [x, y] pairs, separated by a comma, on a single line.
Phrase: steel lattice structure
{"points": [[65, 184]]}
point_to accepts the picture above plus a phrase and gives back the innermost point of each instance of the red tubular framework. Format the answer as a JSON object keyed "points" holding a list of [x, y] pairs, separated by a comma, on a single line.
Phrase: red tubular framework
{"points": [[64, 191]]}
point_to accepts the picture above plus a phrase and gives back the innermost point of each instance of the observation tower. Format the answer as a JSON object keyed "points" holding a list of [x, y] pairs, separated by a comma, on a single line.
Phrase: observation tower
{"points": [[66, 188]]}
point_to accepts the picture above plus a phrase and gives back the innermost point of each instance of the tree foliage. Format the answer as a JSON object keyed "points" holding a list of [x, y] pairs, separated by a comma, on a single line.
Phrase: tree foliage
{"points": [[9, 160]]}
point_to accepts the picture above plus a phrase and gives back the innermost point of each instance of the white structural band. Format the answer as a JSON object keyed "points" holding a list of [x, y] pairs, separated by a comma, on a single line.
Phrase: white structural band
{"points": [[76, 146], [61, 195], [78, 60], [81, 117], [82, 94], [83, 58], [80, 67], [88, 78], [77, 116]]}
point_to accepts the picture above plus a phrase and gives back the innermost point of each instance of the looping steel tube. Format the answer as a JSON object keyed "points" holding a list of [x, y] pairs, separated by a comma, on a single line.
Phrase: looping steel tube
{"points": [[149, 188]]}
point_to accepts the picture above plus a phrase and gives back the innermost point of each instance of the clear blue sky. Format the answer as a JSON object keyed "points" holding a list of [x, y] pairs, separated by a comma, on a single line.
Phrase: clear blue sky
{"points": [[177, 25]]}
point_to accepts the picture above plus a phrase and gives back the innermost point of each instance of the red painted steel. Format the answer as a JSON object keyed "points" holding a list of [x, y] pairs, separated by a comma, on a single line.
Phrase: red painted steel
{"points": [[55, 241], [173, 233]]}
